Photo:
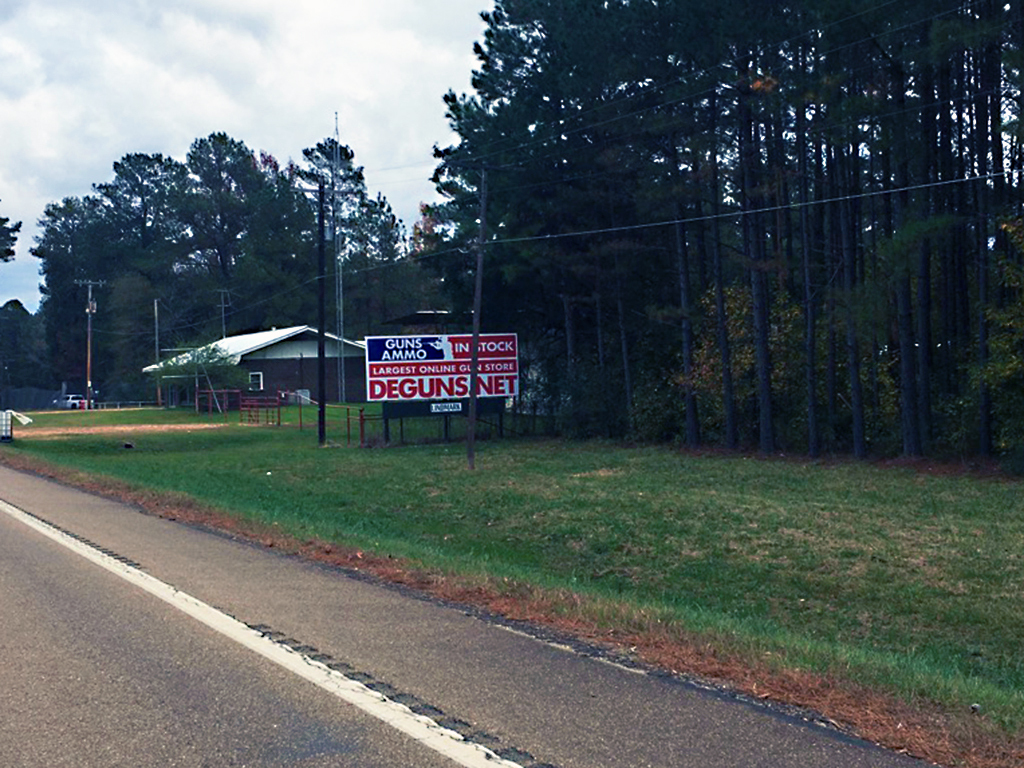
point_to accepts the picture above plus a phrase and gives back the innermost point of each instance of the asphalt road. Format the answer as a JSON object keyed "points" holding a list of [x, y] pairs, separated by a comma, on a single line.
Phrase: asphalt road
{"points": [[97, 672]]}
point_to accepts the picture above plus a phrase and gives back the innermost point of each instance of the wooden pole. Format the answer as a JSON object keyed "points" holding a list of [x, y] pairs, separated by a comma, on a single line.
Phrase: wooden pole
{"points": [[478, 289]]}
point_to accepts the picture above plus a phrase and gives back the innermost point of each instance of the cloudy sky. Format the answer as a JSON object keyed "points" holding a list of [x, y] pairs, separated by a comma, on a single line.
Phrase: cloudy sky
{"points": [[84, 82]]}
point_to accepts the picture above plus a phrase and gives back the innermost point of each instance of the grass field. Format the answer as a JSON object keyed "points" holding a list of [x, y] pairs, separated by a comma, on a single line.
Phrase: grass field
{"points": [[886, 577]]}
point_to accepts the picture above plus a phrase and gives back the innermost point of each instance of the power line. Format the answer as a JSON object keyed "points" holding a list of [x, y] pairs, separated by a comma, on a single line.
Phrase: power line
{"points": [[748, 212], [555, 149], [735, 213]]}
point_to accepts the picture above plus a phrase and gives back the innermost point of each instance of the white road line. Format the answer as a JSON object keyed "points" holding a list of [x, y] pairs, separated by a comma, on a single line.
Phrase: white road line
{"points": [[424, 730]]}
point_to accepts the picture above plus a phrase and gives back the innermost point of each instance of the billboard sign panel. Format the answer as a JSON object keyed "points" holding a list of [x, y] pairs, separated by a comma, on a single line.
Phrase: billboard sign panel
{"points": [[436, 367]]}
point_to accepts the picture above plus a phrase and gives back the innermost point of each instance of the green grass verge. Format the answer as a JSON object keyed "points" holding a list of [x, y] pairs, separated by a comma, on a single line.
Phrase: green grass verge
{"points": [[907, 582]]}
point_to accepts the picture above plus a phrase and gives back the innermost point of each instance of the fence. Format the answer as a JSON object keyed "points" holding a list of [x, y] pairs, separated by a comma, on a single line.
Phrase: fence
{"points": [[351, 420], [28, 398], [370, 427], [260, 409], [219, 401], [363, 425], [252, 408], [448, 428]]}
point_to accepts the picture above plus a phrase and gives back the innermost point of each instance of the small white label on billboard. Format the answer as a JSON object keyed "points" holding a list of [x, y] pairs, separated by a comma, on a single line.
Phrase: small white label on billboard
{"points": [[446, 407]]}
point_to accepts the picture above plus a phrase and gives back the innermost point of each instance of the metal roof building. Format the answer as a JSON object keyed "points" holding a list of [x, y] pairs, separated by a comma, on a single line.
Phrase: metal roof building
{"points": [[285, 359]]}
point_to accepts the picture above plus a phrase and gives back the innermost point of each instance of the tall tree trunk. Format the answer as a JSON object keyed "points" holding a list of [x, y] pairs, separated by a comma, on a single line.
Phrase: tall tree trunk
{"points": [[910, 423], [755, 243], [947, 249], [924, 343], [570, 341], [627, 378], [683, 266], [852, 337], [908, 373], [602, 366], [722, 325], [928, 175], [810, 319], [984, 395], [599, 317], [982, 156], [875, 224], [824, 159]]}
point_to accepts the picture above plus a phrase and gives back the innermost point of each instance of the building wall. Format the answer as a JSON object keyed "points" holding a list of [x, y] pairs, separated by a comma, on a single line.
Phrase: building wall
{"points": [[292, 374], [305, 348]]}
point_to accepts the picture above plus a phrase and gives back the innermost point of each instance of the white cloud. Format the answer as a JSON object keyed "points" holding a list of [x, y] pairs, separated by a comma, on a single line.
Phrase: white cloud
{"points": [[85, 83]]}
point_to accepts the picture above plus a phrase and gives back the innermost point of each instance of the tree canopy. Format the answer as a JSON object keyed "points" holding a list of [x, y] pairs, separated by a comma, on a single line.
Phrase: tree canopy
{"points": [[719, 224], [793, 227], [221, 243], [8, 238]]}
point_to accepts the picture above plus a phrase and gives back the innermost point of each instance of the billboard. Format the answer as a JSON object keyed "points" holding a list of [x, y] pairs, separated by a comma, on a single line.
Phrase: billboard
{"points": [[436, 367]]}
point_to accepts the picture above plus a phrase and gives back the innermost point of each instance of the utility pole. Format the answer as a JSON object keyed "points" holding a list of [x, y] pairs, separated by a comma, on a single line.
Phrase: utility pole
{"points": [[338, 261], [478, 289], [156, 347], [225, 302], [90, 310], [321, 363]]}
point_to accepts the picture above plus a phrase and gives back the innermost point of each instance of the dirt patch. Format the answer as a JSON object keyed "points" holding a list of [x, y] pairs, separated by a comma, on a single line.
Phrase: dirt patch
{"points": [[119, 429], [599, 473], [922, 730]]}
